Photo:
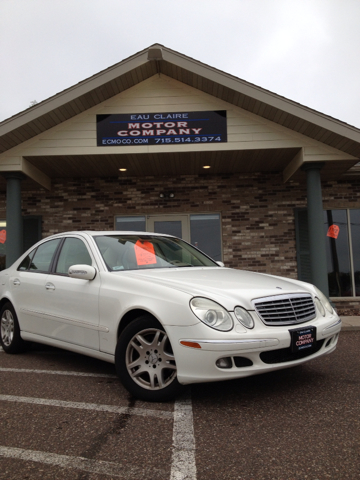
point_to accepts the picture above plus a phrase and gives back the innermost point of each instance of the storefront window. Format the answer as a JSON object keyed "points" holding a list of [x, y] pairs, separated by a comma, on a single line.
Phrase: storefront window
{"points": [[342, 230], [31, 235], [130, 224], [205, 234], [2, 244], [342, 234], [355, 245], [338, 253]]}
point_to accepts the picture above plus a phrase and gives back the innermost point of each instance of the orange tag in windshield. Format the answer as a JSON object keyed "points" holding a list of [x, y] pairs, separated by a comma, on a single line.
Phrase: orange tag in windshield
{"points": [[145, 253], [333, 231], [3, 236]]}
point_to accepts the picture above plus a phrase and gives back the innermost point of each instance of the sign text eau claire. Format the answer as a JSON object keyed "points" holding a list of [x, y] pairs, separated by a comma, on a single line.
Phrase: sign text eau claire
{"points": [[161, 128]]}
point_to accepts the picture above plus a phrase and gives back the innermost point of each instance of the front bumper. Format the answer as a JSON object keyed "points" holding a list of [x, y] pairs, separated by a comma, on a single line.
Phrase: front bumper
{"points": [[253, 352]]}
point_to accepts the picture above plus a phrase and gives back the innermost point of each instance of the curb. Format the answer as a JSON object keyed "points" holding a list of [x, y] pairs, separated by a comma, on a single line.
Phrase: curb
{"points": [[350, 328]]}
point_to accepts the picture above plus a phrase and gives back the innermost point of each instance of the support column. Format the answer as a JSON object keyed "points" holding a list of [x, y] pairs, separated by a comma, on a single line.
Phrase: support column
{"points": [[14, 229], [316, 227]]}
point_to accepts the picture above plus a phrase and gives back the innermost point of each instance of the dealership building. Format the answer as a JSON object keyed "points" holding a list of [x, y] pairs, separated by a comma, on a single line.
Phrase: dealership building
{"points": [[162, 142]]}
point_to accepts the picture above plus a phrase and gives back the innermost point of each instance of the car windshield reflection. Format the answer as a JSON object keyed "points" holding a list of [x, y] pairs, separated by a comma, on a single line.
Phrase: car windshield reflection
{"points": [[134, 252]]}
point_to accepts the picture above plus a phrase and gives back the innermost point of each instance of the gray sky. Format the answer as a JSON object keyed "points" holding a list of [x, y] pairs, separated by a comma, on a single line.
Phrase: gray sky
{"points": [[304, 50]]}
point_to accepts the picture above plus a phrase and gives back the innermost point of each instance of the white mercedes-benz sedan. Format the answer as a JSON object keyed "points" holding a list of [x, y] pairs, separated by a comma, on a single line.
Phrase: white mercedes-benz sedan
{"points": [[162, 311]]}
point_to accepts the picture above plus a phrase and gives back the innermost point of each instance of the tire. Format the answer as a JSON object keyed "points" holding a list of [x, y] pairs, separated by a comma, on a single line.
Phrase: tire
{"points": [[145, 362], [10, 338]]}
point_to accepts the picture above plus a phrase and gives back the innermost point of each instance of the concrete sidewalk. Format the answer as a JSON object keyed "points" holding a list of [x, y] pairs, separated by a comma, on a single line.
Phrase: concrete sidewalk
{"points": [[350, 323]]}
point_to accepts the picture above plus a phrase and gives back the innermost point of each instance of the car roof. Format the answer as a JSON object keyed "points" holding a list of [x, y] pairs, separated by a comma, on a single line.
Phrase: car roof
{"points": [[94, 233]]}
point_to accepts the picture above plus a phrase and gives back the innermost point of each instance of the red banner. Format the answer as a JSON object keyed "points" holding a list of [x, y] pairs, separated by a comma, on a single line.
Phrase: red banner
{"points": [[333, 231], [2, 236]]}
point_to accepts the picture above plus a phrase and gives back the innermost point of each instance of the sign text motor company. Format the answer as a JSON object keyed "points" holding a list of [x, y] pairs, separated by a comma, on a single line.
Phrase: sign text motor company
{"points": [[161, 128]]}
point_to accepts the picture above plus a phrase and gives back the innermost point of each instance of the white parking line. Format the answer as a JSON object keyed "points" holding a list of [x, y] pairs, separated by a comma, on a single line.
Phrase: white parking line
{"points": [[58, 372], [81, 463], [144, 412], [183, 464]]}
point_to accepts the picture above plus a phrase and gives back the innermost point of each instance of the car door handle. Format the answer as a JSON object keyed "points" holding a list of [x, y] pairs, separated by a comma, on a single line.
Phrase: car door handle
{"points": [[16, 282], [50, 286]]}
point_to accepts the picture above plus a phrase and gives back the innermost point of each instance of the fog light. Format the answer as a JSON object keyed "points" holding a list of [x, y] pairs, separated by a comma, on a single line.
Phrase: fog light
{"points": [[224, 362], [241, 362]]}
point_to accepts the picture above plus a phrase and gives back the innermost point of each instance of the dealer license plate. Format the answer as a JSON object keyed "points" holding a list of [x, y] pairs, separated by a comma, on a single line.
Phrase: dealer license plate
{"points": [[303, 339]]}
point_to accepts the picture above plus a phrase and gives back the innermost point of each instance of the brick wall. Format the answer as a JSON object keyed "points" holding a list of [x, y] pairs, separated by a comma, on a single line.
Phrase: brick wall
{"points": [[257, 211]]}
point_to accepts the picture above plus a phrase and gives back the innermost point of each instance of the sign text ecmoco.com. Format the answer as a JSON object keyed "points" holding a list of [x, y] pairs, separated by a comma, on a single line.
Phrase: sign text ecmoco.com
{"points": [[161, 128]]}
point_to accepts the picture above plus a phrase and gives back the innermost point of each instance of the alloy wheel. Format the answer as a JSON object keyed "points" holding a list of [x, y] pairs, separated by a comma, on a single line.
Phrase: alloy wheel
{"points": [[149, 360], [7, 328]]}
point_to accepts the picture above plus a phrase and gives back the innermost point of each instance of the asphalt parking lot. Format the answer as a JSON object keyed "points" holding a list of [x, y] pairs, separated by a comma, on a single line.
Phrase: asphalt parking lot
{"points": [[65, 416]]}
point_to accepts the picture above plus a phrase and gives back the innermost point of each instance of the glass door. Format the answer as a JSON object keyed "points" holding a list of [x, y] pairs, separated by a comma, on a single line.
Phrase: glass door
{"points": [[177, 225]]}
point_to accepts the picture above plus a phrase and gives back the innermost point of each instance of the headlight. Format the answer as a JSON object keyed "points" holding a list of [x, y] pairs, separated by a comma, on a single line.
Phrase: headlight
{"points": [[320, 306], [212, 314], [324, 300], [244, 317]]}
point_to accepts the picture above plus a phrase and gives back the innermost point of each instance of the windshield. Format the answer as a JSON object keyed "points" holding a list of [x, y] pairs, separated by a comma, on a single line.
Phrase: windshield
{"points": [[134, 252]]}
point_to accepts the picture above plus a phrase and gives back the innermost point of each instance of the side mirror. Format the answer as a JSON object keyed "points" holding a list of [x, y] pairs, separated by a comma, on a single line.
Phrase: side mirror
{"points": [[221, 264], [84, 272]]}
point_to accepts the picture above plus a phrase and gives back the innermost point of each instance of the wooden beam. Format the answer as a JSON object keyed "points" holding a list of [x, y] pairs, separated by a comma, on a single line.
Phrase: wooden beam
{"points": [[294, 165], [36, 174]]}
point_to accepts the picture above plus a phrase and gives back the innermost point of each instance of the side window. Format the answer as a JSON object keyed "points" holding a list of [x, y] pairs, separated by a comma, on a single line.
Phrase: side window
{"points": [[73, 252], [25, 264], [41, 261]]}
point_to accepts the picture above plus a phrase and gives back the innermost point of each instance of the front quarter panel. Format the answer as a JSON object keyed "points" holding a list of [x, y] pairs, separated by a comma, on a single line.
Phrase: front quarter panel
{"points": [[122, 293]]}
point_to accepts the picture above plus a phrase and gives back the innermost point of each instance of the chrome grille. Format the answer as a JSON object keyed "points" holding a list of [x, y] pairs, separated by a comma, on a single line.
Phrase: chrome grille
{"points": [[285, 309]]}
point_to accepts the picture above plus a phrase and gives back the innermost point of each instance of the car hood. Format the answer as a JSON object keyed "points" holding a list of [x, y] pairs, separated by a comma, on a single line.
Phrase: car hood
{"points": [[228, 286]]}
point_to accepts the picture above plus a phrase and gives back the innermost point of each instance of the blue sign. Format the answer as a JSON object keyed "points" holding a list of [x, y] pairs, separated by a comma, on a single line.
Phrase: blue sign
{"points": [[161, 128]]}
